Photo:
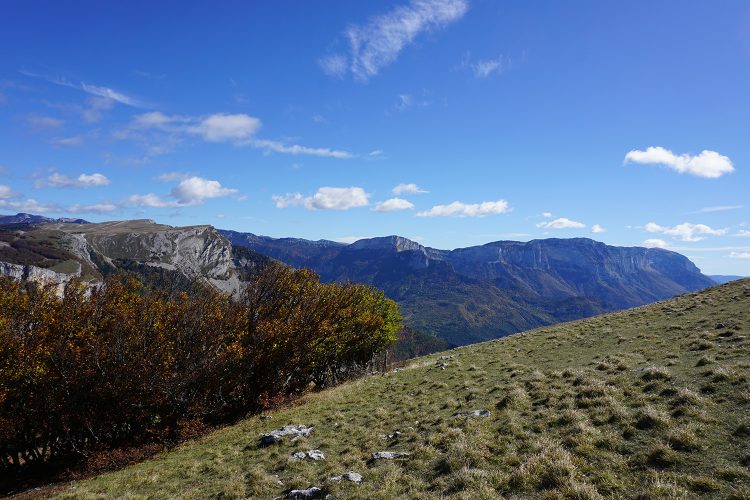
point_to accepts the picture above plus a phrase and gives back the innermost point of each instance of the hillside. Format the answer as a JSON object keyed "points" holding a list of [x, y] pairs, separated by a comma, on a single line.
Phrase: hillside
{"points": [[651, 401], [484, 292]]}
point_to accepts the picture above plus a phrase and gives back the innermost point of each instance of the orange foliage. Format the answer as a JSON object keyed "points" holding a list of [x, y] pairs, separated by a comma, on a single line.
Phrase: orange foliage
{"points": [[119, 364]]}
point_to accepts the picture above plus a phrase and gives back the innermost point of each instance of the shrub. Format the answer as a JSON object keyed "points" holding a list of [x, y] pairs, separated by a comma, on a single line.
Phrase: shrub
{"points": [[120, 364]]}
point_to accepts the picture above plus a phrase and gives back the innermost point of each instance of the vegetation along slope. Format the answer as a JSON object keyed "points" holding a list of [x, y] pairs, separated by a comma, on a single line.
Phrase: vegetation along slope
{"points": [[651, 402]]}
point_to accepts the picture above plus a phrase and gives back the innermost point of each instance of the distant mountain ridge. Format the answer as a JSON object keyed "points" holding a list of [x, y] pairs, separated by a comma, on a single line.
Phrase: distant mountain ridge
{"points": [[24, 218], [461, 296], [476, 293]]}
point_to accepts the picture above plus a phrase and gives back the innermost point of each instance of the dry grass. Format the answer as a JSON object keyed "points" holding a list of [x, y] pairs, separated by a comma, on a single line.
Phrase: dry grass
{"points": [[649, 403]]}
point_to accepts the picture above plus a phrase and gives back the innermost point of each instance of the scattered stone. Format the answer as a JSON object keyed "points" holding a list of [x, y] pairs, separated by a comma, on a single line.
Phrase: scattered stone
{"points": [[443, 365], [276, 436], [311, 492], [475, 413], [388, 437], [445, 357], [389, 455], [349, 476], [719, 326], [312, 454], [265, 417]]}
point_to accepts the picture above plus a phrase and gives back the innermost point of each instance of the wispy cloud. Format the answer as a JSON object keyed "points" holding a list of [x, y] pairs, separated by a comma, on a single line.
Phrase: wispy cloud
{"points": [[596, 228], [94, 208], [296, 149], [740, 255], [708, 164], [95, 90], [28, 205], [482, 68], [326, 198], [73, 140], [722, 208], [686, 231], [6, 192], [378, 43], [39, 122], [460, 209]]}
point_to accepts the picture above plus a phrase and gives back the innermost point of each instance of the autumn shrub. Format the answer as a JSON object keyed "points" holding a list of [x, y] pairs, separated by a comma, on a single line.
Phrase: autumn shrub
{"points": [[121, 364]]}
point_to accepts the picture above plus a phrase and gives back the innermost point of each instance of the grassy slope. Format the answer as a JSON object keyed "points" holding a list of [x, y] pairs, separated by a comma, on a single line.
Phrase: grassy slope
{"points": [[652, 401]]}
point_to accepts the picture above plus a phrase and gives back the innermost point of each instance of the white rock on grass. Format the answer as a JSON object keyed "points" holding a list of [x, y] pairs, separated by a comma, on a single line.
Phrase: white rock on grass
{"points": [[349, 476], [276, 436], [311, 492], [389, 455], [475, 413], [312, 454]]}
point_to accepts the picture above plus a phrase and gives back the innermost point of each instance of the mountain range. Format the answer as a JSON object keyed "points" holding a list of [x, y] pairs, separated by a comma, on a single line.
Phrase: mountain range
{"points": [[477, 293], [461, 296]]}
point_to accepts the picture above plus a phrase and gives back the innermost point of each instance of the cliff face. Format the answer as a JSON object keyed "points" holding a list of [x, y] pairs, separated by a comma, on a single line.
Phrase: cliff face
{"points": [[195, 253]]}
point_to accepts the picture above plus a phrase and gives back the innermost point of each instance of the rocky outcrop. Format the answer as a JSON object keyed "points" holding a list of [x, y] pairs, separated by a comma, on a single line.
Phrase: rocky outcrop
{"points": [[195, 253], [293, 432], [34, 273]]}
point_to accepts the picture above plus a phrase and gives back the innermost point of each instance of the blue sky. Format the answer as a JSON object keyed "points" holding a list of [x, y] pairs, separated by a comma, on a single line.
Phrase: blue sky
{"points": [[451, 122]]}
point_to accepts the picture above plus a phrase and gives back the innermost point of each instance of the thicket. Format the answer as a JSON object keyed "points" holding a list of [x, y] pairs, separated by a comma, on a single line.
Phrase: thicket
{"points": [[122, 364]]}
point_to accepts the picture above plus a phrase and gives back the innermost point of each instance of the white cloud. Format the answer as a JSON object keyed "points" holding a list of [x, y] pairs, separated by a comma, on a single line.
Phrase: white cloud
{"points": [[6, 192], [547, 215], [561, 223], [222, 127], [378, 43], [238, 129], [708, 164], [82, 181], [740, 255], [655, 243], [326, 198], [459, 209], [190, 191], [686, 231], [596, 228], [152, 200], [393, 205], [194, 190], [743, 233], [407, 189]]}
